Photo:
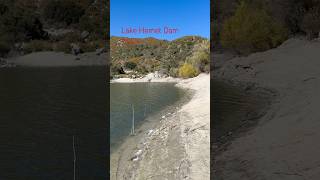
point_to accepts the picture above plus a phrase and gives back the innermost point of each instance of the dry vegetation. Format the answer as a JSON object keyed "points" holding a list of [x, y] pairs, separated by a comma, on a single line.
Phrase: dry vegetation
{"points": [[248, 26], [168, 57], [24, 25]]}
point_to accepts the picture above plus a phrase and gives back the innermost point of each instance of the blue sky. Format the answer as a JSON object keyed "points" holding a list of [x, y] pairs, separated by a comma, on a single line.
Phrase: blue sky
{"points": [[189, 17]]}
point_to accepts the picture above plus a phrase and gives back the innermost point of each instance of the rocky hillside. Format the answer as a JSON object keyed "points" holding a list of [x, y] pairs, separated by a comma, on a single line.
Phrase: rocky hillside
{"points": [[52, 25], [136, 56]]}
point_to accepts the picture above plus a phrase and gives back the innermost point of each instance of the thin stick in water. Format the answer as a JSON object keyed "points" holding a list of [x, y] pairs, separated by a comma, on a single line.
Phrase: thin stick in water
{"points": [[74, 160], [145, 109], [132, 130]]}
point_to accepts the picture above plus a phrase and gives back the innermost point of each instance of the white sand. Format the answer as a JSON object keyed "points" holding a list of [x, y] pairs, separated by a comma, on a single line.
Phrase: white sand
{"points": [[151, 77], [284, 145], [179, 147], [195, 127]]}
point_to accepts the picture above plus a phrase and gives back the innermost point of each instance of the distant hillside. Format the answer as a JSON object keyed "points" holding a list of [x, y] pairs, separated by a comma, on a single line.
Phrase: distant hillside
{"points": [[144, 55], [52, 25]]}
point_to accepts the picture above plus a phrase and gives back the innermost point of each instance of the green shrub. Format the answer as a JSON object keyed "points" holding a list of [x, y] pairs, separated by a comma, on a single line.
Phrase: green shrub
{"points": [[63, 11], [311, 22], [200, 58], [95, 19], [251, 30], [92, 46], [130, 65], [174, 72], [4, 48], [37, 45], [187, 71], [62, 46], [5, 45], [19, 20]]}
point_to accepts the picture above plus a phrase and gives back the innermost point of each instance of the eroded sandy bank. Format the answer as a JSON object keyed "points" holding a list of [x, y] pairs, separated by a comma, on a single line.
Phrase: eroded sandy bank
{"points": [[284, 143], [178, 147]]}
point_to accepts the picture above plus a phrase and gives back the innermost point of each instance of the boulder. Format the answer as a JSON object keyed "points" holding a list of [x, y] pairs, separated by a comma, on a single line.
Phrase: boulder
{"points": [[2, 62], [100, 51], [75, 49], [84, 35], [5, 64]]}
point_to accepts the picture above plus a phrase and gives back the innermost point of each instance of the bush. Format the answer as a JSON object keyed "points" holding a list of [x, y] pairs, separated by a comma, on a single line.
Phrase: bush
{"points": [[92, 46], [63, 11], [4, 48], [187, 71], [19, 20], [200, 58], [311, 22], [5, 45], [130, 65], [174, 72], [37, 45], [95, 19], [251, 30], [62, 46]]}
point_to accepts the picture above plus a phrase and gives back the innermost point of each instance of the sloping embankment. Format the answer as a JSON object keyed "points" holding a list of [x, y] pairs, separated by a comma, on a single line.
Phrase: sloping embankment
{"points": [[284, 143]]}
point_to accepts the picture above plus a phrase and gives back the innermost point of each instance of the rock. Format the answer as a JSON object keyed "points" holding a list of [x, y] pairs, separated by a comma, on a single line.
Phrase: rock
{"points": [[77, 59], [138, 153], [134, 159], [5, 64], [150, 132], [121, 71], [100, 51], [84, 35], [156, 74], [75, 49]]}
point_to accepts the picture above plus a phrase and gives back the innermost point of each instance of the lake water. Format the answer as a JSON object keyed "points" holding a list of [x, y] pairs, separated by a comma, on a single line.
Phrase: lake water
{"points": [[41, 109], [234, 108], [146, 98]]}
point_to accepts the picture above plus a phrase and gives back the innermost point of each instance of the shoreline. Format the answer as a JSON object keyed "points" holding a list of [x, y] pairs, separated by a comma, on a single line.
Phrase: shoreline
{"points": [[151, 77], [169, 148], [56, 59], [256, 104], [281, 145]]}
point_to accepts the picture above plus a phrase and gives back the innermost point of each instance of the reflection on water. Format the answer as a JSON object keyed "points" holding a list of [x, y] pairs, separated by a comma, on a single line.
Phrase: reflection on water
{"points": [[147, 98], [40, 110]]}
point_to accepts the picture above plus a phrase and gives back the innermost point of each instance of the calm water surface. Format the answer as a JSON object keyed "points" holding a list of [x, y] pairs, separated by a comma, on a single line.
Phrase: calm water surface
{"points": [[41, 109], [146, 98], [232, 107]]}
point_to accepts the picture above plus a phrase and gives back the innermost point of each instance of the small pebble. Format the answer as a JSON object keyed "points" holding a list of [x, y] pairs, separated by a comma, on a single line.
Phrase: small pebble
{"points": [[135, 159], [138, 153]]}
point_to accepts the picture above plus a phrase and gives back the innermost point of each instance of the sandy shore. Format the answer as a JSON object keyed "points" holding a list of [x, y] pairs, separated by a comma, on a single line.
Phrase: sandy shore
{"points": [[284, 143], [151, 77], [52, 59], [178, 147]]}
